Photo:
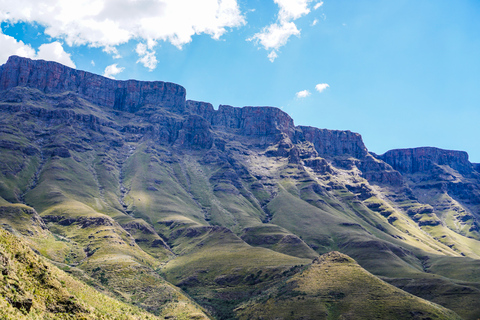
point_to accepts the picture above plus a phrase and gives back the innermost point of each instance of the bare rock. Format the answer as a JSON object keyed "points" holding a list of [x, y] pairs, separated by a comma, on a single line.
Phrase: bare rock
{"points": [[52, 77]]}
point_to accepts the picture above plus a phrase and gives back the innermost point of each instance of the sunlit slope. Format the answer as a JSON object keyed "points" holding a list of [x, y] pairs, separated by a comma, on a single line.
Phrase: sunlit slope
{"points": [[335, 287], [32, 288], [77, 191]]}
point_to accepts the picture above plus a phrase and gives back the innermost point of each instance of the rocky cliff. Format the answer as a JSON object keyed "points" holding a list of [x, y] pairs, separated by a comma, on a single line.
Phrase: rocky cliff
{"points": [[424, 159], [51, 77]]}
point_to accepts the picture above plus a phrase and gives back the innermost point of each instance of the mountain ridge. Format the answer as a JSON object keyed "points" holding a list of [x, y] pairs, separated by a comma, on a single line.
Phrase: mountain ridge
{"points": [[223, 203]]}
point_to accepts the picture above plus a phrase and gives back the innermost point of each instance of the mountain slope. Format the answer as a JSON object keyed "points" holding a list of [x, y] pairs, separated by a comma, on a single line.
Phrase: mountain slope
{"points": [[334, 287], [32, 288], [130, 178]]}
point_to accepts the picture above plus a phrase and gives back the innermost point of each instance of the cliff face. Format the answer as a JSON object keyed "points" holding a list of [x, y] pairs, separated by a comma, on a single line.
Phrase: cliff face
{"points": [[424, 159], [51, 77], [246, 121], [335, 142], [273, 122]]}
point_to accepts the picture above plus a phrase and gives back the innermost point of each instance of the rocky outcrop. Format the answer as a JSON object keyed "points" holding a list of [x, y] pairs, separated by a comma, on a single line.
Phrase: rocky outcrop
{"points": [[375, 170], [195, 133], [203, 109], [271, 121], [52, 77], [331, 143], [425, 159], [247, 121]]}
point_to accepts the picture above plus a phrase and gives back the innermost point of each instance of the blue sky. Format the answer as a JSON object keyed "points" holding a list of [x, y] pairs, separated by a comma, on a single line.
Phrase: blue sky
{"points": [[402, 73]]}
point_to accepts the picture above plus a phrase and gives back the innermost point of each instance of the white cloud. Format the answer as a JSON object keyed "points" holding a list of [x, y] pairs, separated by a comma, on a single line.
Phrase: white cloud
{"points": [[48, 51], [147, 55], [54, 52], [277, 34], [292, 9], [318, 5], [112, 70], [314, 22], [10, 46], [272, 56], [112, 51], [321, 86], [109, 23], [93, 63], [303, 94]]}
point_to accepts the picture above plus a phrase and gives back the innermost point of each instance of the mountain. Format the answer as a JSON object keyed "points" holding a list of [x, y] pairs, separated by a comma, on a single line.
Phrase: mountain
{"points": [[143, 192]]}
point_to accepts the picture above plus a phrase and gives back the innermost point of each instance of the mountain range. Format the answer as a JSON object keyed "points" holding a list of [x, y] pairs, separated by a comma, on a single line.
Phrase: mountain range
{"points": [[191, 212]]}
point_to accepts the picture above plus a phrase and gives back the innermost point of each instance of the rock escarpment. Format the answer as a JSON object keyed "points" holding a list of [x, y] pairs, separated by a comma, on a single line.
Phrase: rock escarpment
{"points": [[424, 159], [335, 142], [51, 77]]}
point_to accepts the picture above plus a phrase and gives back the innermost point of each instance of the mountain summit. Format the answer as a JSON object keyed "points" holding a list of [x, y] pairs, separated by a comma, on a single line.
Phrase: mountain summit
{"points": [[139, 192]]}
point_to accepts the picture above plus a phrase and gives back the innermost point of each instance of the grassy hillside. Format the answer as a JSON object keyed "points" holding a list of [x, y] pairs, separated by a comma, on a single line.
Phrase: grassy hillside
{"points": [[334, 286], [33, 288]]}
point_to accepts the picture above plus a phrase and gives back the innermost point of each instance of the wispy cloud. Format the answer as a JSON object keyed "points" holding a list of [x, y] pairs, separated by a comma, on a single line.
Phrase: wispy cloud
{"points": [[303, 94], [112, 51], [318, 5], [272, 56], [112, 70], [276, 35], [321, 87]]}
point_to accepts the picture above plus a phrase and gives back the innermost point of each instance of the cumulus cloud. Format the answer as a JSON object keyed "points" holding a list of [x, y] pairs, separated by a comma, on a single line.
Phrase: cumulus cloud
{"points": [[303, 94], [321, 87], [108, 23], [54, 52], [49, 51], [10, 46], [112, 70], [277, 34]]}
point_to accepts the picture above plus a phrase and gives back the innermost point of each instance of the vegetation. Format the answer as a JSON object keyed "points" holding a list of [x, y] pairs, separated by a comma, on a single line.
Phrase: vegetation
{"points": [[334, 286], [33, 288], [158, 223]]}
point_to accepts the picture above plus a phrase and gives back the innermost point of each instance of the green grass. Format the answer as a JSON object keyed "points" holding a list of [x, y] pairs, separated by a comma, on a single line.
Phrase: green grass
{"points": [[335, 287], [277, 239], [32, 288]]}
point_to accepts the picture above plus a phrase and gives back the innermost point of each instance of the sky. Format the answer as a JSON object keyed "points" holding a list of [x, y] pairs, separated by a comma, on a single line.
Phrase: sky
{"points": [[402, 73]]}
